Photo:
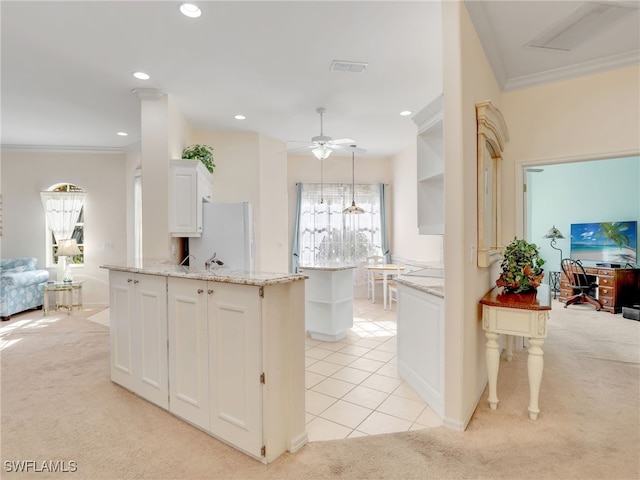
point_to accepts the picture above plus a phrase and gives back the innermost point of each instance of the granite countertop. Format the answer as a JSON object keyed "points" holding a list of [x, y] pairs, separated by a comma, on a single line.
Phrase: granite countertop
{"points": [[433, 285], [326, 267], [215, 274]]}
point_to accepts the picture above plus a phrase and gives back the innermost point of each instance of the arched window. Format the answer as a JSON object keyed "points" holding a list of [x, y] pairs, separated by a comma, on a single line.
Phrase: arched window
{"points": [[64, 208]]}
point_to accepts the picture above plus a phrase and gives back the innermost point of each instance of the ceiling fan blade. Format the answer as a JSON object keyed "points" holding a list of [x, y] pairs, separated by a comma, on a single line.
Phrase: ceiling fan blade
{"points": [[300, 149], [348, 148], [340, 141]]}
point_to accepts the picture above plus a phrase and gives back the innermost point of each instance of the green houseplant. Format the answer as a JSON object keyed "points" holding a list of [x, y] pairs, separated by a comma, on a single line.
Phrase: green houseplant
{"points": [[204, 153], [521, 267]]}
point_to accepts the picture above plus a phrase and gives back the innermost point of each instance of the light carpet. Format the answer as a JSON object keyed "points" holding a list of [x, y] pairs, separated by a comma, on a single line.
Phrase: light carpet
{"points": [[59, 405]]}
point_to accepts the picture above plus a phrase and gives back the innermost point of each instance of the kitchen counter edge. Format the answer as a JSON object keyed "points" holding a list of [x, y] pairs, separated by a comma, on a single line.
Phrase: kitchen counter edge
{"points": [[221, 275], [432, 285]]}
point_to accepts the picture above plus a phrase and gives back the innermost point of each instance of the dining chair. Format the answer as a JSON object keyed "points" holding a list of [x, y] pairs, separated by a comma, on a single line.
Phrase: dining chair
{"points": [[374, 277]]}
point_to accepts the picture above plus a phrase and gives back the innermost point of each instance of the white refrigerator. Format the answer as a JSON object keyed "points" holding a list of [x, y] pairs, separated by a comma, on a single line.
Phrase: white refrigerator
{"points": [[227, 232]]}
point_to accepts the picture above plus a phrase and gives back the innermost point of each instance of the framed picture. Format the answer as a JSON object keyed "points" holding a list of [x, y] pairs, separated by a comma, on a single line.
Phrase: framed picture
{"points": [[605, 242]]}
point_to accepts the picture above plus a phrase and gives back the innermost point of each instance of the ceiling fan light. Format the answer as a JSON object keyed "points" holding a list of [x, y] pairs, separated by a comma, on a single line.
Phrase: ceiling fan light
{"points": [[321, 152]]}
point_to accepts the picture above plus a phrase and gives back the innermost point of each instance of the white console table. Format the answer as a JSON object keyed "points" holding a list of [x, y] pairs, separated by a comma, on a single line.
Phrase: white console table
{"points": [[328, 301], [523, 314]]}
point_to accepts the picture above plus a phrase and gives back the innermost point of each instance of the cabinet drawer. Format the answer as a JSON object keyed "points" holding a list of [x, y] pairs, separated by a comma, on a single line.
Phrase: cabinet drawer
{"points": [[593, 271], [606, 281], [605, 292], [606, 302]]}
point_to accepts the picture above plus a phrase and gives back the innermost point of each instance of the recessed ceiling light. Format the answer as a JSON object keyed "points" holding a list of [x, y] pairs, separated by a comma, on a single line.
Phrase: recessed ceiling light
{"points": [[122, 134], [404, 113], [239, 117], [190, 10], [141, 76]]}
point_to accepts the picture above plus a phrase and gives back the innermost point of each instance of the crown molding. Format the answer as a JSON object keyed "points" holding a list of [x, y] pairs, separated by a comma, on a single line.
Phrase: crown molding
{"points": [[65, 149], [614, 62]]}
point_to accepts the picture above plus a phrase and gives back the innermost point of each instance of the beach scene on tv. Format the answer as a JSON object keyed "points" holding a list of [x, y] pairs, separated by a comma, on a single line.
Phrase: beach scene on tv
{"points": [[612, 242]]}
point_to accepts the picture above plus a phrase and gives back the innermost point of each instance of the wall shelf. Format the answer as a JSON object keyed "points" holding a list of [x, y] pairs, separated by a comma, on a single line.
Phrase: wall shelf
{"points": [[430, 168]]}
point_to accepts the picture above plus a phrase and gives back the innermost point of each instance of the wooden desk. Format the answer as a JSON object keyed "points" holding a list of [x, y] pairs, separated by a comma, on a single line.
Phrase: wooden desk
{"points": [[617, 287], [387, 270], [522, 314]]}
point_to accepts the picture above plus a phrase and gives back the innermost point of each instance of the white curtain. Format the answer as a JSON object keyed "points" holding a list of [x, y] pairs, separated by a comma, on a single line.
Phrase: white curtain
{"points": [[327, 236], [62, 210]]}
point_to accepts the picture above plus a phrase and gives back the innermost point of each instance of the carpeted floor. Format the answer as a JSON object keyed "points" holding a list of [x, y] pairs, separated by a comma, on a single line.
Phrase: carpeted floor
{"points": [[60, 410]]}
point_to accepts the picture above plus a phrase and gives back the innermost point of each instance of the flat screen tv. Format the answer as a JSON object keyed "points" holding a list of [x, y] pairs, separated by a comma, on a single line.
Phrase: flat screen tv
{"points": [[605, 242]]}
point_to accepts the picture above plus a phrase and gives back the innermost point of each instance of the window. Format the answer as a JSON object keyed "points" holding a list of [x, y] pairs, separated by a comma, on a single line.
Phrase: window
{"points": [[64, 219], [326, 235]]}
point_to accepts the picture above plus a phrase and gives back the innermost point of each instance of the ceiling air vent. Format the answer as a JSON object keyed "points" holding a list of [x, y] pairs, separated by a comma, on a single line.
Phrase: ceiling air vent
{"points": [[584, 23], [354, 67]]}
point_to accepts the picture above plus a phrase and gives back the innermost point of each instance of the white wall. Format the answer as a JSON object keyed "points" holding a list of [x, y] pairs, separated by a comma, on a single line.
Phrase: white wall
{"points": [[102, 176], [408, 244]]}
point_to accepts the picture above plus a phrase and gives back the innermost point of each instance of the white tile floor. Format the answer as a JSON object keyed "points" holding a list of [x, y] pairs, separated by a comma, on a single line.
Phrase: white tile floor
{"points": [[353, 387]]}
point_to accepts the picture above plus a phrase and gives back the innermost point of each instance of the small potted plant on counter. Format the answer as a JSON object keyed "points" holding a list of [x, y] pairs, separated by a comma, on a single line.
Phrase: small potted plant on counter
{"points": [[204, 153], [521, 267]]}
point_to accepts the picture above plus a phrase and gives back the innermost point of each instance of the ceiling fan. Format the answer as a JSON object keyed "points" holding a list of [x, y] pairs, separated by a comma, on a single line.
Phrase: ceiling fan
{"points": [[322, 145]]}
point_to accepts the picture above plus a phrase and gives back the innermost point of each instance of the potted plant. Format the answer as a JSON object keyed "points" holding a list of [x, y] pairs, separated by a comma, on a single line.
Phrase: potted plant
{"points": [[521, 267], [204, 153]]}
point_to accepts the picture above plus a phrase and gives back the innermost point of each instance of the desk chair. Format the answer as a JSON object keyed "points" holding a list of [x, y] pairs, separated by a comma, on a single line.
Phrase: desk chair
{"points": [[583, 287], [374, 277]]}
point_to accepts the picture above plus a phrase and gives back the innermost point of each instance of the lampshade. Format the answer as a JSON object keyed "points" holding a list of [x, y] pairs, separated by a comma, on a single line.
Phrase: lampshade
{"points": [[554, 233], [68, 248], [321, 152], [353, 208]]}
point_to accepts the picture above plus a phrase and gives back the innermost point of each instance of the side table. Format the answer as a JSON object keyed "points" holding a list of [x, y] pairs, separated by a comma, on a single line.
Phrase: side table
{"points": [[514, 314], [66, 290]]}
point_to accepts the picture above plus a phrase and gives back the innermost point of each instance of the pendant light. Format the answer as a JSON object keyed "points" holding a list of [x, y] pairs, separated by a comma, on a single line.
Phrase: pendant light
{"points": [[353, 208]]}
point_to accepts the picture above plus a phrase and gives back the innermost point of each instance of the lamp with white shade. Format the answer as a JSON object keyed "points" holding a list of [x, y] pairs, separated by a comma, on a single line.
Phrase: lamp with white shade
{"points": [[66, 248]]}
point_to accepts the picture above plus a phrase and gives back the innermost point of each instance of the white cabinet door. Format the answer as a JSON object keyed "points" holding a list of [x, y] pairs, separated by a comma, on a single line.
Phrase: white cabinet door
{"points": [[188, 350], [138, 323], [189, 186], [235, 365], [120, 325], [150, 354]]}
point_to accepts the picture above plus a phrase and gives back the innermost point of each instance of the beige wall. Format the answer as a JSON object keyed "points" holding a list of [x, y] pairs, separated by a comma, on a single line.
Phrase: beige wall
{"points": [[468, 79], [251, 167], [102, 176], [593, 117], [408, 244]]}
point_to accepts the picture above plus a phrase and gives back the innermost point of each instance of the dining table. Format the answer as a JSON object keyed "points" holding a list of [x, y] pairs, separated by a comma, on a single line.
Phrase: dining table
{"points": [[387, 270]]}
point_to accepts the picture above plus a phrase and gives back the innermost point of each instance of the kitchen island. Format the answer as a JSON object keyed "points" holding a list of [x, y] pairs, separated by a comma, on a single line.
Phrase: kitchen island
{"points": [[421, 334], [329, 301], [221, 349]]}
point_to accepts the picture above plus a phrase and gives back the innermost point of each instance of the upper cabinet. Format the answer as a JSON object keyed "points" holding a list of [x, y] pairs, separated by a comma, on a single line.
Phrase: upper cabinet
{"points": [[189, 186], [430, 168]]}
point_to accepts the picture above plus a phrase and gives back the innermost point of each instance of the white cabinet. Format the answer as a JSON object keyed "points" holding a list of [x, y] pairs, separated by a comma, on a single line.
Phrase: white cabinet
{"points": [[430, 168], [189, 186], [329, 302], [189, 350], [138, 323], [236, 362], [421, 344]]}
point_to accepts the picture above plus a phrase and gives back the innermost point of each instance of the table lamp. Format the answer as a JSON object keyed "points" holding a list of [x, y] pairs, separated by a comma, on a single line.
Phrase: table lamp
{"points": [[67, 248]]}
